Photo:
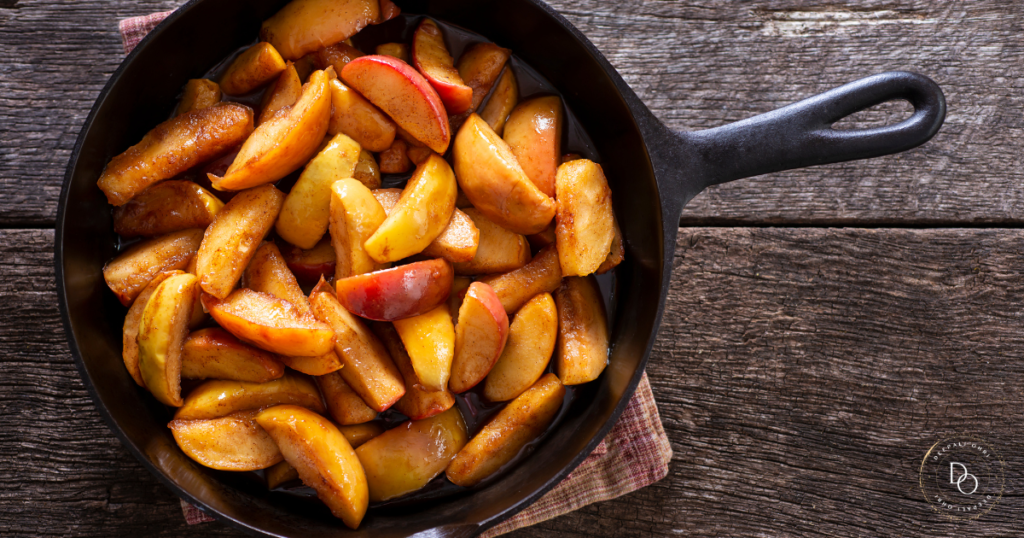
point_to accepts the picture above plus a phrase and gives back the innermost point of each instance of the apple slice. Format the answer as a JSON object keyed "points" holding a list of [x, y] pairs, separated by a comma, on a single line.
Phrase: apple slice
{"points": [[544, 238], [284, 143], [534, 133], [582, 349], [267, 272], [199, 93], [531, 342], [307, 208], [359, 434], [396, 293], [281, 473], [283, 94], [132, 270], [309, 265], [402, 93], [368, 368], [503, 100], [418, 403], [256, 66], [232, 443], [479, 338], [541, 275], [429, 339], [395, 50], [346, 407], [480, 66], [499, 250], [162, 329], [388, 11], [492, 179], [337, 56], [166, 207], [519, 423], [431, 57], [304, 26], [358, 118], [230, 242], [218, 398], [460, 285], [215, 354], [322, 456], [457, 242], [130, 332], [617, 252], [367, 171], [406, 457], [173, 147], [420, 215], [585, 225], [270, 323], [355, 216]]}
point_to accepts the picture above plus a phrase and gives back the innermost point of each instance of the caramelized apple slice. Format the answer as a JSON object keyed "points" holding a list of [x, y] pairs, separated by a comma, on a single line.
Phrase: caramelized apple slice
{"points": [[418, 403], [531, 341], [520, 422], [166, 207], [403, 459], [359, 434], [431, 57], [457, 242], [420, 216], [499, 250], [534, 133], [346, 407], [322, 456], [256, 66], [199, 93], [231, 241], [460, 285], [355, 215], [367, 171], [173, 147], [130, 332], [395, 50], [429, 339], [267, 272], [479, 338], [544, 238], [283, 94], [284, 143], [162, 329], [617, 252], [388, 11], [232, 443], [337, 56], [215, 354], [309, 265], [304, 26], [480, 66], [307, 208], [402, 93], [582, 350], [358, 118], [132, 270], [541, 275], [368, 368], [281, 473], [218, 398], [503, 100], [395, 159], [585, 224], [270, 323], [400, 292], [491, 177]]}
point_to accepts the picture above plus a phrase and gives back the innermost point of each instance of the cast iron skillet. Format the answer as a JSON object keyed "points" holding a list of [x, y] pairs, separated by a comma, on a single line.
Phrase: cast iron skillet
{"points": [[653, 172]]}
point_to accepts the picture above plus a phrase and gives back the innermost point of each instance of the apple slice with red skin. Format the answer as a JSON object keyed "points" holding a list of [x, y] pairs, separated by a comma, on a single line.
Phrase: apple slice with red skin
{"points": [[309, 265], [479, 337], [397, 293], [431, 57], [402, 93]]}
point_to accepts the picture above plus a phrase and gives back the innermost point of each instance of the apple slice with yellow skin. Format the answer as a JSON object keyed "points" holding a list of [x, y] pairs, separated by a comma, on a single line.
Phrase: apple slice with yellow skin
{"points": [[130, 332], [337, 56], [322, 456], [281, 473], [431, 57], [520, 422], [367, 170], [479, 337], [132, 270], [162, 329], [256, 66], [429, 339], [199, 93], [283, 143], [400, 292], [541, 275], [306, 212], [271, 323], [358, 118], [214, 353], [617, 253], [499, 250], [582, 349], [218, 398], [403, 94], [345, 406], [231, 241], [492, 179], [304, 26], [309, 265], [534, 133], [406, 457], [585, 225], [355, 215], [531, 342], [457, 242], [419, 217], [283, 94], [174, 146], [232, 443], [356, 435], [166, 207], [395, 50], [503, 99], [368, 369], [418, 403]]}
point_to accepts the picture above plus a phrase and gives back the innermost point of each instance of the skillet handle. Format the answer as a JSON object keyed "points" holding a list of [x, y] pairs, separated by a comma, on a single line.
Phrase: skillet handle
{"points": [[801, 134]]}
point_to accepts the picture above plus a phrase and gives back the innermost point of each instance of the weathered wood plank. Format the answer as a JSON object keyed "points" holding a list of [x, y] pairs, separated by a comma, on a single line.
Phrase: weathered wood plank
{"points": [[801, 375], [697, 66]]}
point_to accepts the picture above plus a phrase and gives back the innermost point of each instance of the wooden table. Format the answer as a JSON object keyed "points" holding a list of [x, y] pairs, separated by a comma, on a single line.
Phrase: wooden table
{"points": [[825, 326]]}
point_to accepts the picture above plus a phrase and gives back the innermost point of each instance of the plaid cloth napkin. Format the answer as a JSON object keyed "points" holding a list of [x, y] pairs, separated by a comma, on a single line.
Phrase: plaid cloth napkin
{"points": [[635, 453]]}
